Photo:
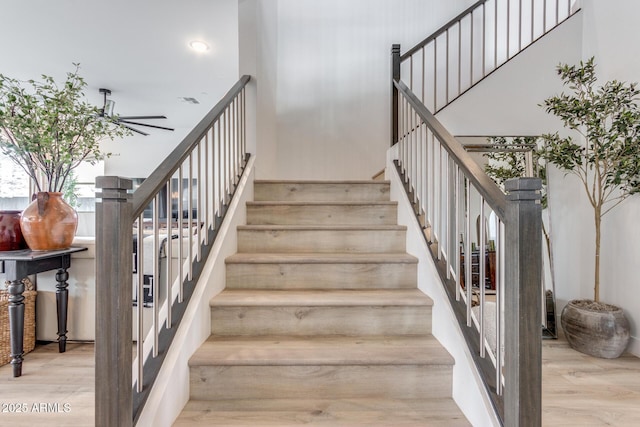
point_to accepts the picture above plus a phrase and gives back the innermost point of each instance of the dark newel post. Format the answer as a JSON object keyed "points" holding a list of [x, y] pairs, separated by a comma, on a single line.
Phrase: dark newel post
{"points": [[113, 397], [523, 334], [395, 76]]}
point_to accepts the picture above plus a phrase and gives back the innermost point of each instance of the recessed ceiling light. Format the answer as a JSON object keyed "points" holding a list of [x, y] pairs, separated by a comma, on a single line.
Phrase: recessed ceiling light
{"points": [[199, 46]]}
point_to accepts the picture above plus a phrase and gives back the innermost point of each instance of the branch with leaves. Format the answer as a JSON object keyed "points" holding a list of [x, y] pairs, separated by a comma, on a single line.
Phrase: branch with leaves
{"points": [[48, 130], [606, 157]]}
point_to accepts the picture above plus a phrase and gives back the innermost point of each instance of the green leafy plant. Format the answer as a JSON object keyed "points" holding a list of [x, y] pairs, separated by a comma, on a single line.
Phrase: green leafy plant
{"points": [[607, 157], [508, 159], [49, 130]]}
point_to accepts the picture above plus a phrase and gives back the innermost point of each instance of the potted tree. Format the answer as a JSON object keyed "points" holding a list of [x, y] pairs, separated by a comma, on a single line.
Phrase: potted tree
{"points": [[607, 162], [48, 130]]}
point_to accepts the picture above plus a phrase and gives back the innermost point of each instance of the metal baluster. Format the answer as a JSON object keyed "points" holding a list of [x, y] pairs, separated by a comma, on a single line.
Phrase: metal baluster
{"points": [[499, 304], [431, 189], [180, 235], [468, 281], [446, 95], [495, 35], [223, 145], [544, 16], [218, 170], [156, 276], [459, 58], [229, 146], [244, 124], [416, 158], [419, 168], [532, 19], [169, 252], [206, 178], [411, 72], [190, 218], [482, 276], [236, 145], [139, 312], [435, 74], [471, 51], [405, 160], [425, 177], [438, 215], [424, 67], [519, 25], [484, 39], [508, 30], [458, 202], [446, 225], [198, 228]]}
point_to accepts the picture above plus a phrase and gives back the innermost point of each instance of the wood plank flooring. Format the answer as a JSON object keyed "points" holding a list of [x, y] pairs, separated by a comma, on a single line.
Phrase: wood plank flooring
{"points": [[578, 390]]}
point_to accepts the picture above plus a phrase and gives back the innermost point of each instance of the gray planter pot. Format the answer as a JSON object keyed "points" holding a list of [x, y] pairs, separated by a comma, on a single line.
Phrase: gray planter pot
{"points": [[596, 329]]}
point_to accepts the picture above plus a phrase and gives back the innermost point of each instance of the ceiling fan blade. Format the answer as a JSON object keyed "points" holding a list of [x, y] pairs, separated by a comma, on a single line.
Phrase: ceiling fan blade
{"points": [[141, 117], [144, 124], [133, 129]]}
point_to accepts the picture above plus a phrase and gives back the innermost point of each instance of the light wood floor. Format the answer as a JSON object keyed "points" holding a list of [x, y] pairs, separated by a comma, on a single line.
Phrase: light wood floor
{"points": [[578, 390]]}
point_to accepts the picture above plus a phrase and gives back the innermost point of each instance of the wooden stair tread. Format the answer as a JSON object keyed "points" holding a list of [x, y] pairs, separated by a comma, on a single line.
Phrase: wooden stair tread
{"points": [[321, 258], [320, 298], [323, 412], [327, 203], [321, 182], [321, 350], [321, 227]]}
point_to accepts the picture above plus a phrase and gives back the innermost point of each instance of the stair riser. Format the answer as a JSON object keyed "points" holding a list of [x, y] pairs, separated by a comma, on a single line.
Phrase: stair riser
{"points": [[320, 192], [318, 382], [370, 214], [321, 276], [300, 321], [321, 241]]}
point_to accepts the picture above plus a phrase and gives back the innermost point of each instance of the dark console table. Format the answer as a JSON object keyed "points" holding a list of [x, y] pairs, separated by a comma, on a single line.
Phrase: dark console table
{"points": [[16, 265]]}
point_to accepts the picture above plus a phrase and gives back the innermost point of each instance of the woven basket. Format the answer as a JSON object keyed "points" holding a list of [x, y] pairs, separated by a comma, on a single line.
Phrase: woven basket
{"points": [[29, 342]]}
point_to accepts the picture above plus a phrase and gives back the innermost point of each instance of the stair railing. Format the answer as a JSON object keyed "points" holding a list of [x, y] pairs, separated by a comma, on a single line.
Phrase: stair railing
{"points": [[151, 246], [487, 249], [476, 43], [486, 245]]}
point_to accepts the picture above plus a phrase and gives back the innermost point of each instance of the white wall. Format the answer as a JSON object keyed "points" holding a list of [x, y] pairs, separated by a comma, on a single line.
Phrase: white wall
{"points": [[206, 77], [327, 64], [610, 34], [258, 56]]}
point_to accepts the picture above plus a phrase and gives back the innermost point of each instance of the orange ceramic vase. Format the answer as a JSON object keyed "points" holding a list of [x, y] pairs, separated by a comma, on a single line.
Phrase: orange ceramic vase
{"points": [[49, 223]]}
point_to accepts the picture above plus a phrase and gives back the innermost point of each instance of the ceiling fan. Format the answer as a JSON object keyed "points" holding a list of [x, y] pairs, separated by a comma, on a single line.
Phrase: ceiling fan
{"points": [[126, 121]]}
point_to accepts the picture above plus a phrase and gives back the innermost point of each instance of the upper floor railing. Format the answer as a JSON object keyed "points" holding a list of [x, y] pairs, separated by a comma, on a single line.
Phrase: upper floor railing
{"points": [[476, 43], [152, 245]]}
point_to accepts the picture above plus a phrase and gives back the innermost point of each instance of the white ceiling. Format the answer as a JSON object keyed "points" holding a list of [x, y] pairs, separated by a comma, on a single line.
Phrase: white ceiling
{"points": [[138, 49]]}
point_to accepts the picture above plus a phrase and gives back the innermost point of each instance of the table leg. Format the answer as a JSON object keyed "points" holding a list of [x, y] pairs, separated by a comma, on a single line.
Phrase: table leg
{"points": [[62, 299], [16, 325]]}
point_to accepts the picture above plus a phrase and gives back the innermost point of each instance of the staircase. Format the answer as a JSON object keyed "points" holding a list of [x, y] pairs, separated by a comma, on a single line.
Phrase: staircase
{"points": [[321, 321]]}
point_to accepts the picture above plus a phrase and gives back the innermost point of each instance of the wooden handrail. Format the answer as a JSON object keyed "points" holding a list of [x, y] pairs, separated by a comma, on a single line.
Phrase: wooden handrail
{"points": [[485, 185], [150, 187]]}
